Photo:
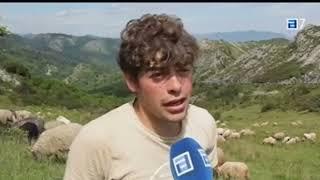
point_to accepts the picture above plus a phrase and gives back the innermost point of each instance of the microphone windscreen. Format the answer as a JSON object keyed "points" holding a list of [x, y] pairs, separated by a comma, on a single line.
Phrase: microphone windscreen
{"points": [[189, 161]]}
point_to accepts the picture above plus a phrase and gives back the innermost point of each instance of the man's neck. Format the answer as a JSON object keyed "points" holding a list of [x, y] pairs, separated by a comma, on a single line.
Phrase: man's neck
{"points": [[159, 126]]}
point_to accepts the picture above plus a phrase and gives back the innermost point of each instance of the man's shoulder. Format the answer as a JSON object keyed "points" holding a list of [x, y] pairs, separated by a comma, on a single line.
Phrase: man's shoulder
{"points": [[201, 118], [108, 124], [113, 117], [196, 112]]}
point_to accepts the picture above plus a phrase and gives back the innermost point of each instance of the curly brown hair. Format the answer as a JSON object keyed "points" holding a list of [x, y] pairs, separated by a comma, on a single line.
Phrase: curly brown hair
{"points": [[155, 41]]}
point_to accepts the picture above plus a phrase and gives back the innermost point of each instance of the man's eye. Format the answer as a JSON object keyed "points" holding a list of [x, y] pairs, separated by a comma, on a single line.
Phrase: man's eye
{"points": [[156, 75], [184, 70]]}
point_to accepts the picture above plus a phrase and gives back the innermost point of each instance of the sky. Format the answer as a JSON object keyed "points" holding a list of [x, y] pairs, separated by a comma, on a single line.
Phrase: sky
{"points": [[108, 19]]}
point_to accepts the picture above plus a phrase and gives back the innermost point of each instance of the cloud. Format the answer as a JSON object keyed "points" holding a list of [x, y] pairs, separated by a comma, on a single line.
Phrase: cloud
{"points": [[71, 21], [3, 18], [71, 12], [107, 19]]}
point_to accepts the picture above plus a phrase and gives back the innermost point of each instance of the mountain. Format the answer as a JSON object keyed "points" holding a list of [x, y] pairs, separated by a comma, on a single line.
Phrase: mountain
{"points": [[60, 56], [89, 62], [268, 61], [240, 36]]}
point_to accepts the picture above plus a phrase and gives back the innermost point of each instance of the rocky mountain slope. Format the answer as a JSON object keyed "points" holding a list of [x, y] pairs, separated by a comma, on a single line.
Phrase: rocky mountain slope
{"points": [[89, 62], [268, 61]]}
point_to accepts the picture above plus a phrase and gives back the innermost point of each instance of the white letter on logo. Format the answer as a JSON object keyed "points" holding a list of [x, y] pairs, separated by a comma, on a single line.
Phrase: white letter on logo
{"points": [[302, 21], [182, 163]]}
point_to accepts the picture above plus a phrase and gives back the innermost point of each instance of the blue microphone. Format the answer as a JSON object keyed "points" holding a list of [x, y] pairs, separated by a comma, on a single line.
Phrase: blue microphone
{"points": [[188, 161]]}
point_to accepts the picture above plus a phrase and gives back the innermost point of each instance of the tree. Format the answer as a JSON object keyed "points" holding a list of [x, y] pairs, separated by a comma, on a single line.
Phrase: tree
{"points": [[4, 31]]}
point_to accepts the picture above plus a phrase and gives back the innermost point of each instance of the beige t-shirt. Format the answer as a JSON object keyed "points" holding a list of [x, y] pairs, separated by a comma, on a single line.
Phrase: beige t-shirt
{"points": [[116, 146]]}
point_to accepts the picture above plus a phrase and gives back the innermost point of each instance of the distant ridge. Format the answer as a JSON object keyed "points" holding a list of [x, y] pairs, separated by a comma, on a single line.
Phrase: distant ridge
{"points": [[241, 36]]}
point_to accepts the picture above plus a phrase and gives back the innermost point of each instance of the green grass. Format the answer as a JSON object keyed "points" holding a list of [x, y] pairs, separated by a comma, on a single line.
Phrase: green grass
{"points": [[17, 162], [280, 162]]}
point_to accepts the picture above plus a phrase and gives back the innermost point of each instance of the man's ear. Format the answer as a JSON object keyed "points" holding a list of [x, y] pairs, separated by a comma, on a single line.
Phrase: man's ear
{"points": [[131, 82]]}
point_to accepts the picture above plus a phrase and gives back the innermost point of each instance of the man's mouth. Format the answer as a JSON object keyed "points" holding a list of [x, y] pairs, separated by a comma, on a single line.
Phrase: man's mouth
{"points": [[175, 102]]}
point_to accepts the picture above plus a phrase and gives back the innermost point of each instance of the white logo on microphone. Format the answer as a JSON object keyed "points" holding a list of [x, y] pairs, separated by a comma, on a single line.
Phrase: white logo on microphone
{"points": [[183, 163], [204, 158]]}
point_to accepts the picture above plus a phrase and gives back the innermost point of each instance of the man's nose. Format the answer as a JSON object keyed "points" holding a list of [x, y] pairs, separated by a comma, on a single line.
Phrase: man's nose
{"points": [[174, 84]]}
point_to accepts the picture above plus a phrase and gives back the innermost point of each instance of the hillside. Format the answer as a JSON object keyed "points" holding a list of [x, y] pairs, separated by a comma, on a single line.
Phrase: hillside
{"points": [[59, 56], [240, 36], [89, 62], [268, 61]]}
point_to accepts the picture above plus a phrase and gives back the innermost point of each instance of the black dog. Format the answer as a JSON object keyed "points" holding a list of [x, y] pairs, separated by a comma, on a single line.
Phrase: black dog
{"points": [[34, 127]]}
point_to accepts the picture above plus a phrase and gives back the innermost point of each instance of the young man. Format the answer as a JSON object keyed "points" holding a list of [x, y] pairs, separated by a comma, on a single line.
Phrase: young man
{"points": [[132, 142]]}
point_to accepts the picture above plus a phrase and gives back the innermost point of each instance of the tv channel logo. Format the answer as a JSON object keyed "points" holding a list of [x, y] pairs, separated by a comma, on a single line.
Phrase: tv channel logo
{"points": [[295, 23], [204, 157], [183, 164]]}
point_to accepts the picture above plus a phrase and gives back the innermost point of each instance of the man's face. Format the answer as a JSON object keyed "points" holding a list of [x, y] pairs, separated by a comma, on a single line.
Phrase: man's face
{"points": [[164, 93]]}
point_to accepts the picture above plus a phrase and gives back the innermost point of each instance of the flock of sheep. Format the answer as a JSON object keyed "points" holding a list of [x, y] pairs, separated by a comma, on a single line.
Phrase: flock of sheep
{"points": [[239, 170], [285, 139], [231, 169], [225, 133], [50, 138], [281, 136]]}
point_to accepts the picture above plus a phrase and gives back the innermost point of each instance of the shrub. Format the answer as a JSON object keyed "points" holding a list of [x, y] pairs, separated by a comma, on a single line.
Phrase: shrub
{"points": [[216, 115], [17, 68], [310, 103], [268, 107]]}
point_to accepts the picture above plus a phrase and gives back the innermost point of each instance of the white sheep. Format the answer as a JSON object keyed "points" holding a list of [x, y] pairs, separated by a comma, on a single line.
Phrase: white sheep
{"points": [[292, 141], [310, 136], [63, 119], [286, 139], [264, 123], [269, 140], [234, 170], [7, 117], [226, 133], [223, 124], [220, 139], [52, 124], [279, 135], [59, 121], [247, 132], [256, 125], [23, 114], [220, 131], [298, 139], [56, 141], [221, 157], [234, 135], [299, 122]]}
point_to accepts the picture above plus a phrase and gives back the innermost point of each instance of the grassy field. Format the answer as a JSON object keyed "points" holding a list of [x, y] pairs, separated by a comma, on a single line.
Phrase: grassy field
{"points": [[16, 161], [280, 162]]}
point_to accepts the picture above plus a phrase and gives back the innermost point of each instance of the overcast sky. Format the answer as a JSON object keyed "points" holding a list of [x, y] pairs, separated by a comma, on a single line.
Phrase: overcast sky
{"points": [[108, 19]]}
